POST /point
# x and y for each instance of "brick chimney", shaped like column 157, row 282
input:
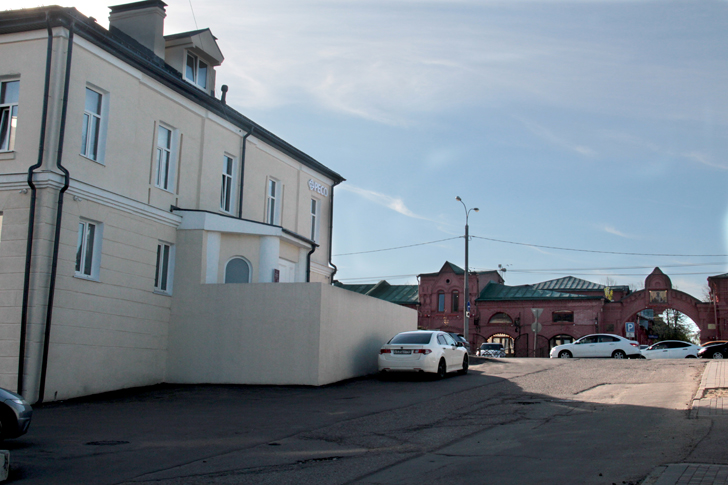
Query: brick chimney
column 142, row 21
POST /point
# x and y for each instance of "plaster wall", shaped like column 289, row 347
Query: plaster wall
column 298, row 333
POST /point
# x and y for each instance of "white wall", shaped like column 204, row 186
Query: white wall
column 295, row 333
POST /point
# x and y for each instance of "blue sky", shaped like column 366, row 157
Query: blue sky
column 592, row 125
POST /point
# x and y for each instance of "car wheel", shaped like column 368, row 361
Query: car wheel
column 441, row 369
column 565, row 354
column 464, row 370
column 619, row 354
column 691, row 357
column 718, row 355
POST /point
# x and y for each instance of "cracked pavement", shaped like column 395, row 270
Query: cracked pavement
column 507, row 421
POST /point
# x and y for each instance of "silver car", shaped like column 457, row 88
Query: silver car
column 671, row 349
column 15, row 414
column 598, row 345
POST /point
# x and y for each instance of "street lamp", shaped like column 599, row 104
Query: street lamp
column 466, row 320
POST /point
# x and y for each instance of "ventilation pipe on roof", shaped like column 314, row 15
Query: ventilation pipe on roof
column 224, row 89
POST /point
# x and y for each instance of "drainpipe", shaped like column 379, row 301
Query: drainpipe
column 59, row 217
column 331, row 235
column 31, row 214
column 242, row 171
column 308, row 262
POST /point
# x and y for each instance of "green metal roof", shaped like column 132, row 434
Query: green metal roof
column 497, row 292
column 569, row 283
column 399, row 294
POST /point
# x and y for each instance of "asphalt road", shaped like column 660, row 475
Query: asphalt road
column 509, row 421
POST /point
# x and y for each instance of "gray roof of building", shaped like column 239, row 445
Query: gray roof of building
column 399, row 294
column 498, row 292
column 135, row 54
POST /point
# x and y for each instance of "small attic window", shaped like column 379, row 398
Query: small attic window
column 196, row 71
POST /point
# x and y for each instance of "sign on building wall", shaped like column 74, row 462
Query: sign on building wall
column 317, row 187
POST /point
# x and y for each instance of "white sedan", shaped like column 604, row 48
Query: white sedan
column 598, row 345
column 671, row 349
column 423, row 351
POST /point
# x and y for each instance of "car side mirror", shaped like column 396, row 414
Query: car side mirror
column 459, row 344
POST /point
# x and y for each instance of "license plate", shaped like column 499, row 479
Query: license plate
column 400, row 351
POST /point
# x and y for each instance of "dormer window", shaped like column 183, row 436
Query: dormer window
column 196, row 71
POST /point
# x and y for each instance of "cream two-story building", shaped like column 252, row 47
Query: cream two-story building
column 128, row 188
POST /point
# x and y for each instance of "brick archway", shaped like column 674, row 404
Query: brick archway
column 659, row 295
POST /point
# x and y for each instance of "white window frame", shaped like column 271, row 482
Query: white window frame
column 101, row 125
column 273, row 201
column 244, row 260
column 90, row 236
column 315, row 218
column 194, row 77
column 9, row 113
column 227, row 188
column 164, row 268
column 165, row 158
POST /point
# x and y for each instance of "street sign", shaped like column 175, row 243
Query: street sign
column 629, row 329
column 536, row 327
column 536, row 313
column 467, row 307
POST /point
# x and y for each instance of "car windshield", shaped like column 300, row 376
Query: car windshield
column 411, row 338
column 490, row 346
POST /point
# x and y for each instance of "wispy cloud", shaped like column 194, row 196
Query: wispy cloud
column 705, row 159
column 546, row 134
column 612, row 230
column 394, row 203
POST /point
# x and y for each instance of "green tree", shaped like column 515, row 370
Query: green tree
column 673, row 325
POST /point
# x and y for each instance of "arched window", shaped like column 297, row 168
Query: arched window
column 441, row 301
column 237, row 270
column 500, row 319
column 455, row 301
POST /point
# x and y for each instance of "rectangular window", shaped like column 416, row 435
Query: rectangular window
column 315, row 208
column 455, row 301
column 88, row 249
column 562, row 316
column 91, row 130
column 196, row 71
column 441, row 302
column 226, row 190
column 163, row 271
column 164, row 161
column 272, row 203
column 9, row 93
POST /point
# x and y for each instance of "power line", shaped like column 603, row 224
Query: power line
column 604, row 252
column 398, row 247
column 562, row 270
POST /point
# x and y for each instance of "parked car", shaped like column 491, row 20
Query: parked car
column 430, row 351
column 460, row 338
column 716, row 351
column 713, row 342
column 598, row 345
column 15, row 414
column 671, row 349
column 491, row 350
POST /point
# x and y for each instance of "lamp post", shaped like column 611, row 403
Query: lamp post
column 466, row 312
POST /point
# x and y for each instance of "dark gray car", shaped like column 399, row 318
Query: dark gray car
column 15, row 414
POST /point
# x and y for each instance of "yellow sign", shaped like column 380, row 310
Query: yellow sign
column 608, row 292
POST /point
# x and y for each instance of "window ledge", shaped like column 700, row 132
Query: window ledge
column 162, row 293
column 100, row 162
column 7, row 155
column 86, row 277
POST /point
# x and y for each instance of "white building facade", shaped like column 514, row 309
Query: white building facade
column 117, row 159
